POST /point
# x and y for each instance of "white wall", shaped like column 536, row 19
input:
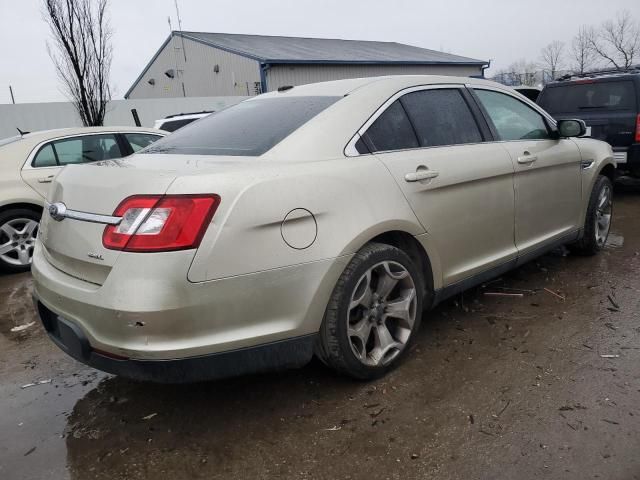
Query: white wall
column 43, row 116
column 236, row 75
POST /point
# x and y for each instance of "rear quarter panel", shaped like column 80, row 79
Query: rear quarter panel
column 352, row 200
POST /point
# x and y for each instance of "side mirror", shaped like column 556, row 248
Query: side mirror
column 571, row 128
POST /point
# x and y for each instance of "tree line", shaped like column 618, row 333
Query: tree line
column 614, row 44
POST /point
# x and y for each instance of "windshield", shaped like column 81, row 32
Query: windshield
column 249, row 128
column 7, row 141
column 580, row 97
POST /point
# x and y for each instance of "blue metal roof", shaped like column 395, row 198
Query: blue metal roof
column 268, row 49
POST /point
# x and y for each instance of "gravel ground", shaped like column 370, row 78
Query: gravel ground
column 546, row 385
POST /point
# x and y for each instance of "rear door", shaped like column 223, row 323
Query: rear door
column 608, row 106
column 48, row 158
column 459, row 186
column 548, row 183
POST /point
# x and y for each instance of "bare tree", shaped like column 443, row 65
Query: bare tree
column 617, row 41
column 523, row 73
column 582, row 54
column 82, row 54
column 551, row 57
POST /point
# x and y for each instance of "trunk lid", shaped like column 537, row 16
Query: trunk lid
column 75, row 246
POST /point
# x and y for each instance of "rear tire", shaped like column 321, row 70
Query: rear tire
column 598, row 219
column 373, row 313
column 18, row 231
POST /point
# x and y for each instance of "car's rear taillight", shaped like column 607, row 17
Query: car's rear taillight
column 638, row 129
column 153, row 223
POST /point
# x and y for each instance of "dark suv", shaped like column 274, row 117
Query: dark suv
column 609, row 103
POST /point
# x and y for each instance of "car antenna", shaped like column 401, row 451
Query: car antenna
column 22, row 134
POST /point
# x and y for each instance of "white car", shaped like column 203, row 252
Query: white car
column 323, row 218
column 174, row 122
column 28, row 164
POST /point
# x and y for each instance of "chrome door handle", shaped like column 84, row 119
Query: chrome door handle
column 420, row 175
column 527, row 158
column 48, row 179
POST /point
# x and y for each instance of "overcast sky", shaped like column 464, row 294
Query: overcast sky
column 501, row 30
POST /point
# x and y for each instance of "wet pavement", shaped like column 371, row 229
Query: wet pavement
column 544, row 385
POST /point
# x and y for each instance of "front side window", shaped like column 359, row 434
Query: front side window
column 138, row 141
column 513, row 119
column 441, row 117
column 249, row 128
column 392, row 130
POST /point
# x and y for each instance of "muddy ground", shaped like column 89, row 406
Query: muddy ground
column 546, row 385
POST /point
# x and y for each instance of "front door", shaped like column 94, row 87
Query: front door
column 460, row 188
column 547, row 181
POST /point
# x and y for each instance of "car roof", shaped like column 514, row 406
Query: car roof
column 341, row 88
column 63, row 132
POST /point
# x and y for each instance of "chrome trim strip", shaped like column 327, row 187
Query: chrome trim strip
column 87, row 217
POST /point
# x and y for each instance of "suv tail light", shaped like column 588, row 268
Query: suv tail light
column 638, row 129
column 154, row 223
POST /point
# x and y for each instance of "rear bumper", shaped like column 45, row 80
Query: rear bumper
column 290, row 353
column 147, row 310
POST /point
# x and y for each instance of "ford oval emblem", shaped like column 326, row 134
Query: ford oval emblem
column 58, row 211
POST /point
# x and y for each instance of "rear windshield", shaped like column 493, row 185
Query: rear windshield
column 581, row 97
column 249, row 128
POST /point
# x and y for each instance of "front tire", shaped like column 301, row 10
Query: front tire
column 18, row 231
column 373, row 313
column 598, row 219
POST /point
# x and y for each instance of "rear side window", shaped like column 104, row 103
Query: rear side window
column 513, row 119
column 584, row 97
column 45, row 157
column 392, row 130
column 250, row 128
column 138, row 141
column 441, row 117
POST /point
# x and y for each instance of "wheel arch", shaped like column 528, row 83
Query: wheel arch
column 609, row 171
column 18, row 205
column 416, row 251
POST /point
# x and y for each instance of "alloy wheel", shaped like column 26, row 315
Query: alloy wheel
column 382, row 313
column 17, row 240
column 603, row 215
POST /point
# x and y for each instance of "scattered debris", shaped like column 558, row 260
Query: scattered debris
column 555, row 294
column 613, row 302
column 20, row 328
column 335, row 428
column 610, row 356
column 504, row 408
column 41, row 382
column 610, row 421
column 377, row 414
column 503, row 294
column 149, row 417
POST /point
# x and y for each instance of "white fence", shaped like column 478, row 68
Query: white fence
column 32, row 117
